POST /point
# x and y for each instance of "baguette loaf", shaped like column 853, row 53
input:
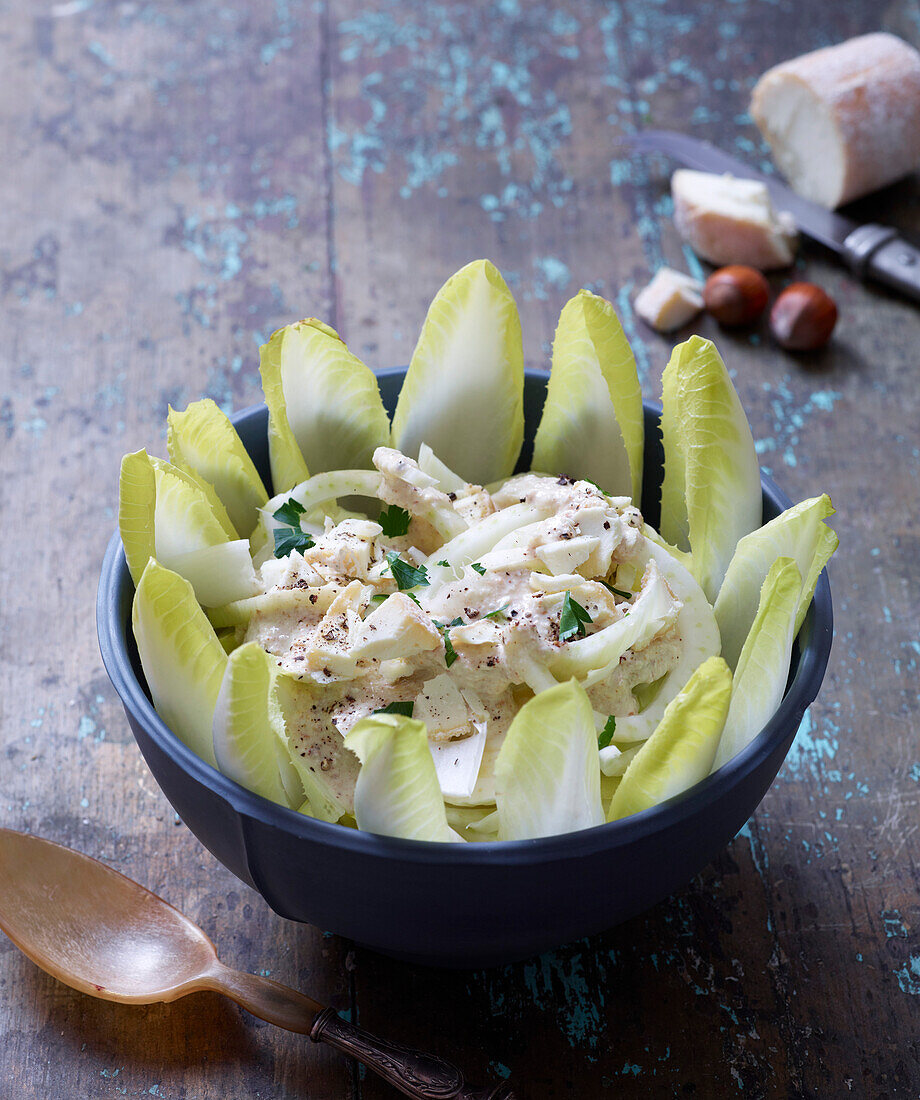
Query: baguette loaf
column 845, row 120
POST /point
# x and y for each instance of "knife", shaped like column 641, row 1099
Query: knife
column 871, row 251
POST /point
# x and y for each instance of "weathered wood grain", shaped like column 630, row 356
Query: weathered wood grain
column 178, row 180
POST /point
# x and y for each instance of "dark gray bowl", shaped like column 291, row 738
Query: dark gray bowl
column 459, row 905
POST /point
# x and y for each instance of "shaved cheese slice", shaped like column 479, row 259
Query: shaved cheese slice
column 566, row 555
column 442, row 708
column 457, row 763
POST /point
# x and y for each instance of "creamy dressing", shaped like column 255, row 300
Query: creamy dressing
column 469, row 648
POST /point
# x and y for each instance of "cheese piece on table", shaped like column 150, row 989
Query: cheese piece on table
column 670, row 300
column 844, row 120
column 731, row 221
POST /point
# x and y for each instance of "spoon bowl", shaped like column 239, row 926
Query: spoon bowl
column 104, row 934
column 92, row 928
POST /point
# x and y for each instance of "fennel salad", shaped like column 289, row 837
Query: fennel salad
column 412, row 639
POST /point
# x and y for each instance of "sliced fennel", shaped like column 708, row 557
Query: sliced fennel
column 592, row 425
column 476, row 541
column 696, row 625
column 445, row 478
column 799, row 533
column 463, row 392
column 397, row 792
column 203, row 441
column 763, row 667
column 318, row 492
column 330, row 407
column 250, row 741
column 180, row 654
column 597, row 655
column 711, row 495
column 172, row 515
column 547, row 776
column 681, row 750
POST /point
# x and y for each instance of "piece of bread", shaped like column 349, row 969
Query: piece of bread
column 670, row 300
column 845, row 120
column 731, row 221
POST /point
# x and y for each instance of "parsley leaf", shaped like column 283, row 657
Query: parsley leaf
column 288, row 539
column 479, row 568
column 290, row 512
column 446, row 564
column 499, row 611
column 406, row 575
column 617, row 591
column 606, row 735
column 291, row 536
column 394, row 521
column 572, row 620
column 450, row 654
column 405, row 709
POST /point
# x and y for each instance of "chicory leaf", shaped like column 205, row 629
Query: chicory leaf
column 463, row 392
column 182, row 658
column 763, row 667
column 397, row 792
column 681, row 750
column 202, row 440
column 250, row 738
column 547, row 775
column 799, row 533
column 711, row 494
column 592, row 425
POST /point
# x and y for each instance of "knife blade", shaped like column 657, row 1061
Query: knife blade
column 871, row 251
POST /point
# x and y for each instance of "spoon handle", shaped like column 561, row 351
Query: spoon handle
column 418, row 1075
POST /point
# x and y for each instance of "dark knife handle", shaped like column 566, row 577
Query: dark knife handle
column 877, row 252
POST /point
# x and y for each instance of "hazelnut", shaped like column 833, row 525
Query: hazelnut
column 803, row 317
column 736, row 295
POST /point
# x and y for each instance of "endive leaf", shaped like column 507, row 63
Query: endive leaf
column 711, row 494
column 463, row 392
column 180, row 654
column 202, row 440
column 330, row 407
column 397, row 793
column 250, row 741
column 592, row 425
column 799, row 533
column 548, row 776
column 681, row 750
column 174, row 516
column 763, row 667
column 696, row 626
column 285, row 461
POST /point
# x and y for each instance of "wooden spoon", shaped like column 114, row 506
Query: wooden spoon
column 105, row 935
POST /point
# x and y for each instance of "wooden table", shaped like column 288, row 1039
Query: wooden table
column 179, row 180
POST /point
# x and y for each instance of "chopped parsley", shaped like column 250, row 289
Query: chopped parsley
column 607, row 733
column 617, row 591
column 405, row 709
column 572, row 620
column 379, row 597
column 497, row 612
column 406, row 575
column 446, row 564
column 480, row 569
column 291, row 536
column 290, row 512
column 394, row 521
column 450, row 654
